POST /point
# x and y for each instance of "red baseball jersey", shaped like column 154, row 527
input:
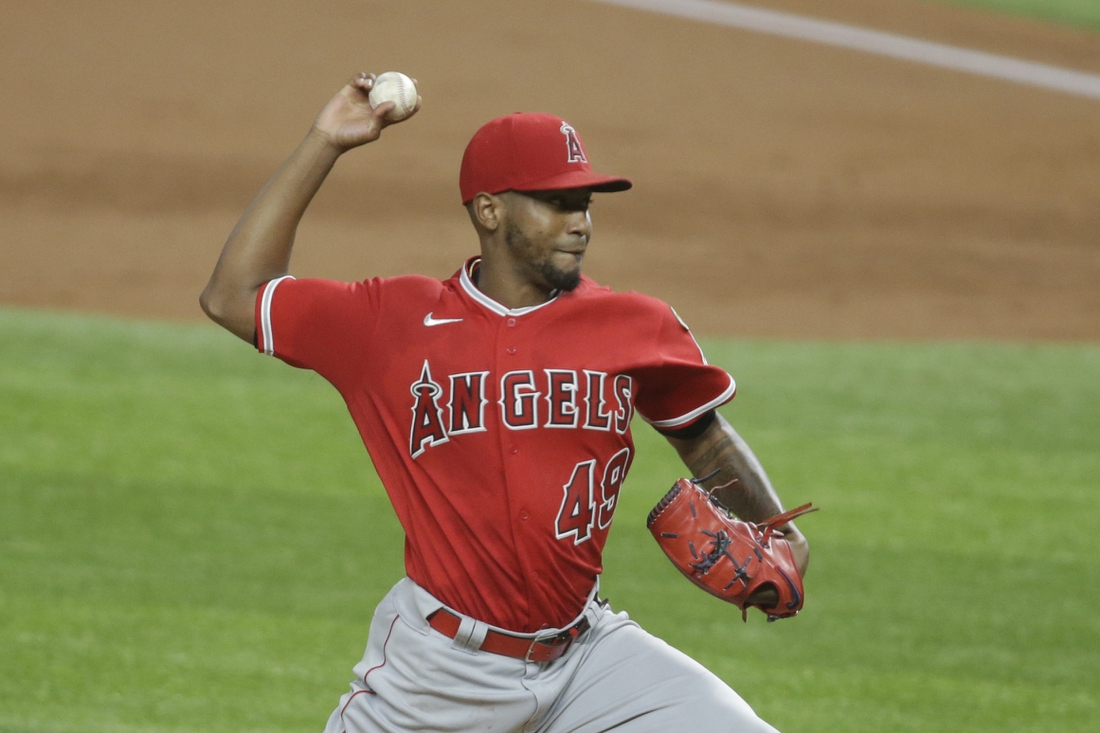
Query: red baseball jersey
column 502, row 435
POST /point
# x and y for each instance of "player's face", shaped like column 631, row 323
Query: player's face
column 548, row 233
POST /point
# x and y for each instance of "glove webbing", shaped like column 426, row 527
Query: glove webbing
column 770, row 524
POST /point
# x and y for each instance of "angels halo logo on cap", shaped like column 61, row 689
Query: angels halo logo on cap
column 573, row 144
column 524, row 152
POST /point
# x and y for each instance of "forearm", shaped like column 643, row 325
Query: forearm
column 745, row 487
column 258, row 250
column 742, row 485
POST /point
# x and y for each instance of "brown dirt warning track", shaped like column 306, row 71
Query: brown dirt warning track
column 782, row 188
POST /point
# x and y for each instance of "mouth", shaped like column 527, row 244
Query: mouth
column 576, row 250
column 575, row 246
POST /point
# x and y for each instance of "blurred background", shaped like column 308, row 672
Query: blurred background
column 783, row 187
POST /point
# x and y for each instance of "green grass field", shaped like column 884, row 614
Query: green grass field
column 192, row 538
column 1075, row 12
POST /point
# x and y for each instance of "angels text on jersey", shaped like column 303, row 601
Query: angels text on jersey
column 454, row 404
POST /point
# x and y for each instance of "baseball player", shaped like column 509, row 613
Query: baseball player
column 496, row 406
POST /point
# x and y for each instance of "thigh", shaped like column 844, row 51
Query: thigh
column 629, row 681
column 414, row 678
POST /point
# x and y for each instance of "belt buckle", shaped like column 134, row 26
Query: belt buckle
column 566, row 638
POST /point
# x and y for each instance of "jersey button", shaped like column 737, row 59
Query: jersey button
column 511, row 323
column 513, row 450
column 524, row 515
column 511, row 350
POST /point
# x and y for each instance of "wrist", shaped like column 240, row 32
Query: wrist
column 325, row 141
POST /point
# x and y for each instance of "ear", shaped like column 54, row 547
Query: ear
column 487, row 211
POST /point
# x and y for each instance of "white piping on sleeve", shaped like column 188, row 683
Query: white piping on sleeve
column 265, row 314
column 673, row 422
column 697, row 346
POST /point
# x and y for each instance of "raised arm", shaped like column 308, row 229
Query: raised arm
column 258, row 250
column 751, row 496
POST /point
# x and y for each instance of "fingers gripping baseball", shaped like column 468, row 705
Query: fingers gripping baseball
column 348, row 119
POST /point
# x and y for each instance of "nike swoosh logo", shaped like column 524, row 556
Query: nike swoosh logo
column 429, row 321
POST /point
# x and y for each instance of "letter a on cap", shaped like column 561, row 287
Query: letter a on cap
column 573, row 144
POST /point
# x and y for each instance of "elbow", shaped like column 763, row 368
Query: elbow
column 211, row 305
column 223, row 309
column 234, row 314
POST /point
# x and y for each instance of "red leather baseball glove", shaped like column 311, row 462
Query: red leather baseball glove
column 725, row 556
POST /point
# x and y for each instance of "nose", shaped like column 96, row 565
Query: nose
column 580, row 224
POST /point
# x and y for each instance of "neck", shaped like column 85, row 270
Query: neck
column 505, row 285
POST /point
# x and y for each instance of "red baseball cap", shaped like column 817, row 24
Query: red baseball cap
column 528, row 151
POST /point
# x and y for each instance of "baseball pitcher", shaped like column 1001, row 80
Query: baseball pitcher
column 497, row 408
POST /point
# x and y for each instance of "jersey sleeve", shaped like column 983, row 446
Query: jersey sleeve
column 323, row 325
column 676, row 385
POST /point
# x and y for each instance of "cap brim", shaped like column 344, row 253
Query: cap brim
column 577, row 179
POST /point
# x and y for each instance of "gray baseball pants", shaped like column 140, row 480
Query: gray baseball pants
column 615, row 677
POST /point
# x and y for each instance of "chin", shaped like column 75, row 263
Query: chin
column 564, row 280
column 572, row 283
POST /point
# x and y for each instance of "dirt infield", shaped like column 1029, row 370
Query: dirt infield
column 782, row 188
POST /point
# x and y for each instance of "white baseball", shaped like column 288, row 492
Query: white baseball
column 393, row 86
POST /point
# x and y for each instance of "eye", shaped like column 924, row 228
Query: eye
column 565, row 201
